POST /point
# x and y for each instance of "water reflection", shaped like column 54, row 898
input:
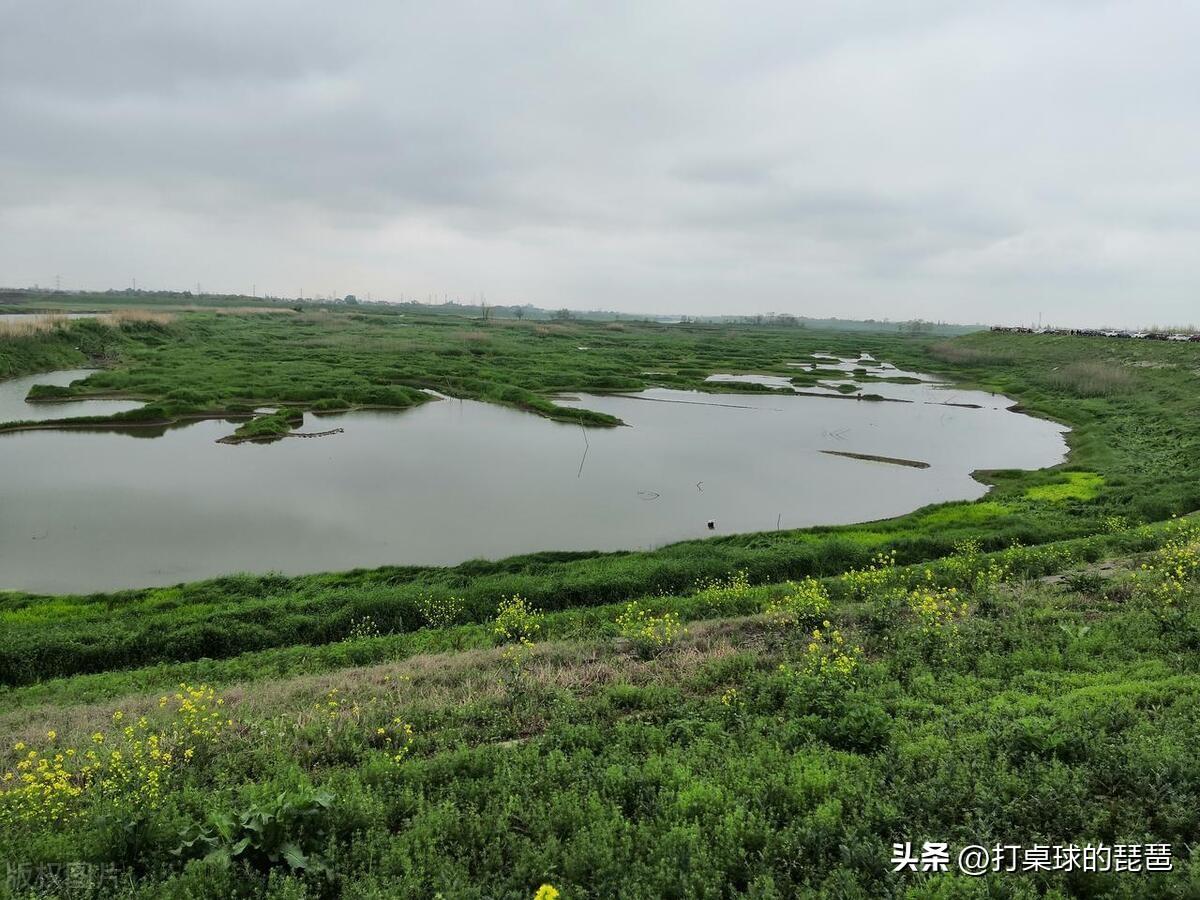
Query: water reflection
column 14, row 408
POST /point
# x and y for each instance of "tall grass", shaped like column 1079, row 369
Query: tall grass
column 31, row 325
column 120, row 317
column 957, row 354
column 244, row 310
column 1094, row 379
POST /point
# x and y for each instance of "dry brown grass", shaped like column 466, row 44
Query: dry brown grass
column 246, row 310
column 475, row 337
column 119, row 317
column 552, row 329
column 31, row 325
column 422, row 682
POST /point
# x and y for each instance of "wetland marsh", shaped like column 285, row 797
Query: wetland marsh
column 454, row 480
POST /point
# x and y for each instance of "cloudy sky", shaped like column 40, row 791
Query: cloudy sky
column 967, row 161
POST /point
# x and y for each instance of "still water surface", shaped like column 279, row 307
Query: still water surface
column 13, row 407
column 454, row 480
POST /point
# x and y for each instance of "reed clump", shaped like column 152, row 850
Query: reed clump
column 26, row 326
column 1094, row 379
column 246, row 310
column 969, row 356
column 119, row 318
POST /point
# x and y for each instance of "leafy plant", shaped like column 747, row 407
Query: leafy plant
column 288, row 828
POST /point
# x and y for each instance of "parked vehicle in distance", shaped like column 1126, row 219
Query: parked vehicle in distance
column 1178, row 336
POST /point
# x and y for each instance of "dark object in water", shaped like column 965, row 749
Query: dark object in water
column 870, row 457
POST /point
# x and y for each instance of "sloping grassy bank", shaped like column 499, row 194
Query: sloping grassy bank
column 47, row 637
column 778, row 754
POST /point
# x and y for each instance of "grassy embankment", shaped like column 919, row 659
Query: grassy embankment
column 707, row 745
column 646, row 763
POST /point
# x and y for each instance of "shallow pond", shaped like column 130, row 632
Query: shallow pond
column 454, row 480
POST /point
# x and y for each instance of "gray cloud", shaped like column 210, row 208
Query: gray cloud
column 967, row 161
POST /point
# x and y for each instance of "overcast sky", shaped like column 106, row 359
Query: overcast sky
column 967, row 161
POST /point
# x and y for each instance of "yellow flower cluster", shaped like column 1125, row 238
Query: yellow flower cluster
column 1115, row 524
column 969, row 568
column 397, row 738
column 863, row 584
column 1163, row 582
column 718, row 591
column 42, row 786
column 53, row 786
column 440, row 612
column 199, row 711
column 828, row 656
column 546, row 892
column 516, row 621
column 804, row 603
column 649, row 633
column 343, row 716
column 938, row 611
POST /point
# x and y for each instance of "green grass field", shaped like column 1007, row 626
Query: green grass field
column 759, row 715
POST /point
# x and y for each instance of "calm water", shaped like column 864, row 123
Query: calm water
column 454, row 480
column 16, row 317
column 13, row 407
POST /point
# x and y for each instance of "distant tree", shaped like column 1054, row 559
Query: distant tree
column 563, row 314
column 519, row 312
